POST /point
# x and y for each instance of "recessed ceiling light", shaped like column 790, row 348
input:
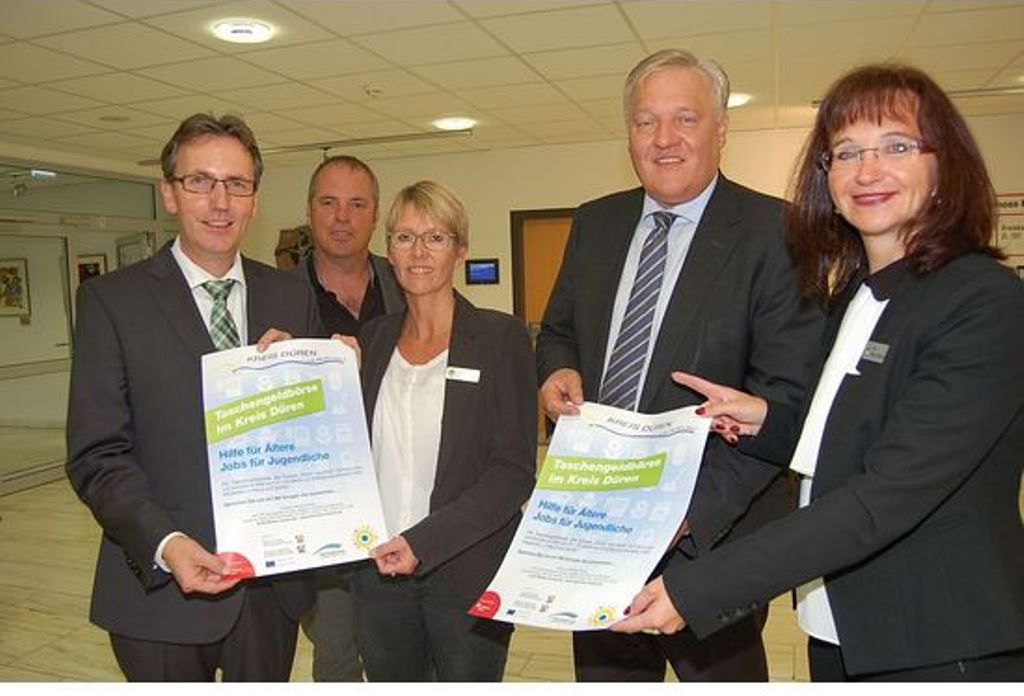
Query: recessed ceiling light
column 454, row 123
column 738, row 99
column 243, row 31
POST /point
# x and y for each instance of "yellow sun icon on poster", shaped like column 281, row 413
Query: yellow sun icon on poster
column 602, row 617
column 365, row 538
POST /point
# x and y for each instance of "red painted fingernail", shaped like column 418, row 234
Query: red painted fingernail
column 735, row 428
column 626, row 612
column 700, row 411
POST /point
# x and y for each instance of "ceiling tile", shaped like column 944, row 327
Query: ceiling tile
column 24, row 19
column 34, row 64
column 953, row 80
column 160, row 133
column 565, row 131
column 212, row 74
column 495, row 8
column 434, row 105
column 367, row 16
column 587, row 62
column 332, row 115
column 513, row 95
column 42, row 127
column 1012, row 76
column 438, row 44
column 104, row 140
column 937, row 29
column 178, row 108
column 725, row 49
column 307, row 135
column 371, row 85
column 985, row 56
column 273, row 97
column 540, row 113
column 117, row 88
column 603, row 108
column 196, row 25
column 561, row 29
column 659, row 19
column 605, row 87
column 375, row 129
column 504, row 70
column 266, row 122
column 38, row 100
column 802, row 12
column 94, row 118
column 126, row 46
column 877, row 38
column 134, row 8
column 323, row 59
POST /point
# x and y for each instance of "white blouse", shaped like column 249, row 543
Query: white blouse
column 407, row 437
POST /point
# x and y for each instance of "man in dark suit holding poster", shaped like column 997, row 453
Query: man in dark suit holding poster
column 689, row 272
column 136, row 445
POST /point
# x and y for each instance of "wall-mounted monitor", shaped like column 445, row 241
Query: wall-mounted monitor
column 482, row 272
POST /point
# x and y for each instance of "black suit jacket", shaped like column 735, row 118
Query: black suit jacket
column 914, row 520
column 735, row 317
column 136, row 443
column 488, row 451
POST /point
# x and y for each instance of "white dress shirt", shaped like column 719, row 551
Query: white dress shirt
column 814, row 615
column 407, row 438
column 680, row 236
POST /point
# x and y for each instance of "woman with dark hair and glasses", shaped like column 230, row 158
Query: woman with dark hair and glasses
column 907, row 551
column 451, row 398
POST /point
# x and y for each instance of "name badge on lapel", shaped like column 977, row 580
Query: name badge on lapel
column 875, row 352
column 463, row 374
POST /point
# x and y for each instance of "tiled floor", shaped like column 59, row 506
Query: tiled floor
column 48, row 544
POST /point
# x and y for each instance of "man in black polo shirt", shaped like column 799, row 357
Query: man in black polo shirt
column 352, row 286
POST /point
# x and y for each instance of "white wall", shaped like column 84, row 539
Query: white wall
column 493, row 183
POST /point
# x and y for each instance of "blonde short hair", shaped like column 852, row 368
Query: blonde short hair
column 435, row 201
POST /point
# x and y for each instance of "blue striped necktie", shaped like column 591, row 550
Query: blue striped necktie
column 621, row 384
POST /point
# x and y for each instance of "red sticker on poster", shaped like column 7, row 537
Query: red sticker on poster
column 487, row 606
column 238, row 566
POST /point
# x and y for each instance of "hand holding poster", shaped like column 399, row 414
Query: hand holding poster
column 291, row 475
column 613, row 490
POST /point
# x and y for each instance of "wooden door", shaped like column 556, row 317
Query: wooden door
column 538, row 242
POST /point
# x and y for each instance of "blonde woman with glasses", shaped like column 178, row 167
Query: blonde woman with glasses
column 451, row 399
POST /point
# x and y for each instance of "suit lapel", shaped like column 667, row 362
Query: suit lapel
column 376, row 358
column 616, row 235
column 459, row 398
column 174, row 298
column 716, row 238
column 259, row 301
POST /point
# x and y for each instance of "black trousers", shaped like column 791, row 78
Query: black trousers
column 826, row 663
column 259, row 647
column 734, row 654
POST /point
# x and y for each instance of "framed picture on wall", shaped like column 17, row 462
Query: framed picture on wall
column 14, row 299
column 91, row 265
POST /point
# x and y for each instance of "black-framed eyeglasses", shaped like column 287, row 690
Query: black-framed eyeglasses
column 434, row 240
column 849, row 156
column 204, row 184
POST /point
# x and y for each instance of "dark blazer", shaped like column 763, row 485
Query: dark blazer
column 735, row 317
column 136, row 443
column 488, row 452
column 914, row 520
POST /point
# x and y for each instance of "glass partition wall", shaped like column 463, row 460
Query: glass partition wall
column 57, row 230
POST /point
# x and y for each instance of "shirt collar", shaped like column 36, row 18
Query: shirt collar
column 885, row 282
column 690, row 211
column 195, row 275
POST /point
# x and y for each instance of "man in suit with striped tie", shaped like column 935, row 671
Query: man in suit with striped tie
column 689, row 272
column 135, row 432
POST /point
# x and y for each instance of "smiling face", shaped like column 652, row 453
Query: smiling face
column 211, row 226
column 342, row 213
column 675, row 137
column 881, row 196
column 419, row 271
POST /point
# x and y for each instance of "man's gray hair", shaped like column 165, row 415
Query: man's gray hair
column 678, row 58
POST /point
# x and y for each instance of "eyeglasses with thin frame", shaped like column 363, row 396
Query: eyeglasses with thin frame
column 204, row 184
column 848, row 156
column 433, row 240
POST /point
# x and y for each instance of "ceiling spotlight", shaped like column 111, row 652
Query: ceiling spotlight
column 738, row 99
column 244, row 31
column 454, row 123
column 42, row 174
